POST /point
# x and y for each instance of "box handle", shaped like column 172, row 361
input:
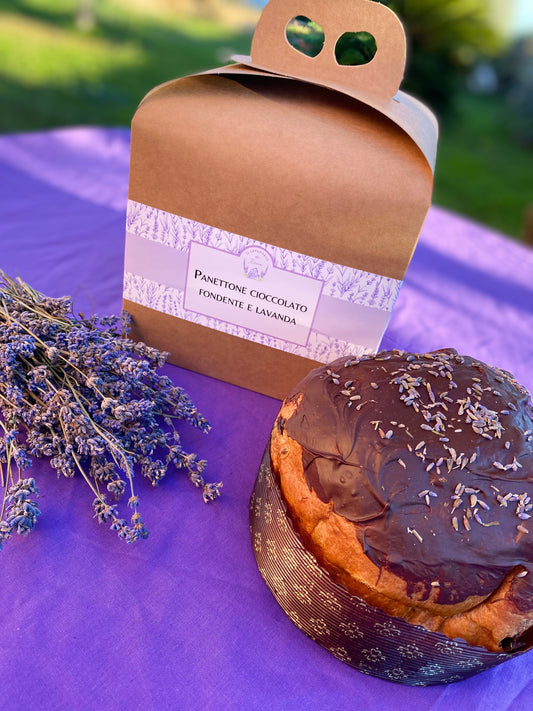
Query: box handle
column 381, row 76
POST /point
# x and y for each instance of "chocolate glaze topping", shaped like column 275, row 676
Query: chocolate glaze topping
column 431, row 456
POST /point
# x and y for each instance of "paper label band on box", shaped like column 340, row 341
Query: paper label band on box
column 267, row 294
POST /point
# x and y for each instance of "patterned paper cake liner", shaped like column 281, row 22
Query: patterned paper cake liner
column 364, row 637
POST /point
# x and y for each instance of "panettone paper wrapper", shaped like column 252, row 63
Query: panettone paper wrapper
column 362, row 636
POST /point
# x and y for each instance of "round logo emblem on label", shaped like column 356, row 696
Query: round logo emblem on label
column 256, row 263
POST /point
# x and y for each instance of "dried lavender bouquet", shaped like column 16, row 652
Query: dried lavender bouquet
column 83, row 394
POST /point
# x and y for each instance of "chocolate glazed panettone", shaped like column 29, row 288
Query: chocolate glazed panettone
column 407, row 479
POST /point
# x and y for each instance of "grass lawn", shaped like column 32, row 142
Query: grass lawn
column 481, row 171
column 53, row 74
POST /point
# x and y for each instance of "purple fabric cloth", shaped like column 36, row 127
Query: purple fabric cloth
column 184, row 620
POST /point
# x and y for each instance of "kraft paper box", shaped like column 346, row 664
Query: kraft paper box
column 274, row 204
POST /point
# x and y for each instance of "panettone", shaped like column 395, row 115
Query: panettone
column 408, row 479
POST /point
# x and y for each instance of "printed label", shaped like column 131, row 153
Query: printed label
column 249, row 291
column 246, row 288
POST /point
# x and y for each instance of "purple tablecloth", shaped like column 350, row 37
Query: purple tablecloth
column 183, row 620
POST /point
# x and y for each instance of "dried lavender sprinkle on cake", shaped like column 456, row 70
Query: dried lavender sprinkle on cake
column 415, row 534
column 455, row 523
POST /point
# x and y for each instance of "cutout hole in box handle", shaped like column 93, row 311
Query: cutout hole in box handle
column 304, row 47
column 306, row 36
column 355, row 48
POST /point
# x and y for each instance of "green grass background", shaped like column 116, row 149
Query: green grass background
column 52, row 73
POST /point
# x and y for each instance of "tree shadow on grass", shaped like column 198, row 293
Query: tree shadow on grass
column 147, row 31
column 166, row 53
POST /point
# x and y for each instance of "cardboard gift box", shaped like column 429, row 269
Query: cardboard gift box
column 275, row 203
